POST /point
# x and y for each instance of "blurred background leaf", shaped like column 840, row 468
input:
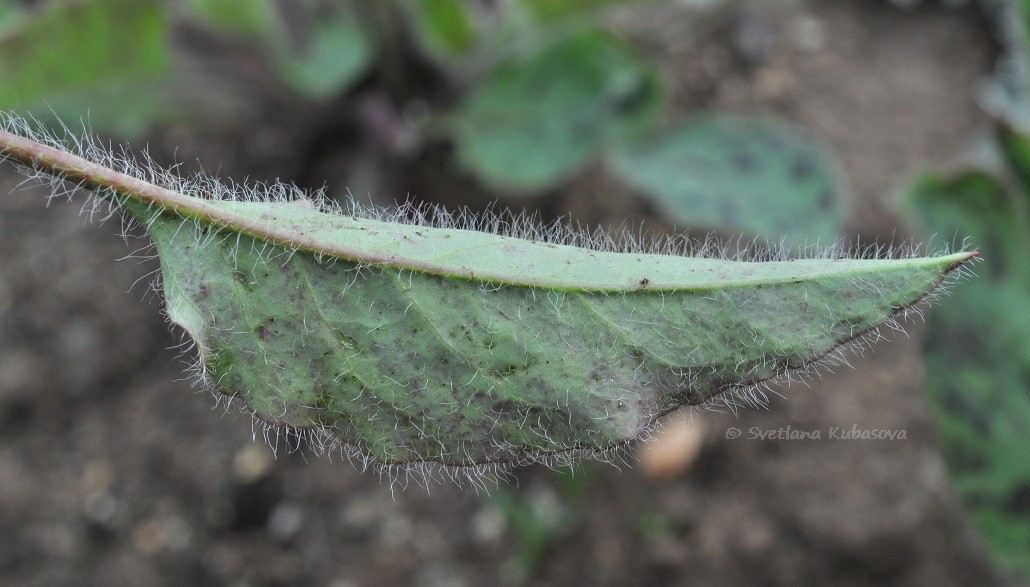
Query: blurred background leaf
column 444, row 25
column 336, row 51
column 540, row 118
column 97, row 57
column 8, row 9
column 1007, row 95
column 737, row 176
column 556, row 9
column 978, row 351
column 1015, row 150
column 255, row 18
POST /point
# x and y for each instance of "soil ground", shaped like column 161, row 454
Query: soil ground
column 114, row 472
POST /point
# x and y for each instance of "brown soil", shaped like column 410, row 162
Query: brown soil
column 112, row 472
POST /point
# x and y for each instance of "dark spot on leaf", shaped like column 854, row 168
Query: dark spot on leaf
column 504, row 407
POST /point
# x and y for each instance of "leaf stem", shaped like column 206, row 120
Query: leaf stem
column 99, row 178
column 94, row 176
column 527, row 263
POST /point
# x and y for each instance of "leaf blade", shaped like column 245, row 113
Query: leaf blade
column 402, row 363
column 413, row 366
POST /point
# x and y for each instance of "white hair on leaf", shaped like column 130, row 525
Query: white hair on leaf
column 323, row 440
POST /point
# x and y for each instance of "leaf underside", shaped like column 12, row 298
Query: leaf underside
column 470, row 349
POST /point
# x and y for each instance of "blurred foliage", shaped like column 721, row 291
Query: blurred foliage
column 538, row 119
column 738, row 175
column 335, row 55
column 445, row 25
column 255, row 18
column 1015, row 149
column 98, row 57
column 541, row 515
column 110, row 60
column 542, row 89
column 8, row 9
column 322, row 49
column 1007, row 96
column 978, row 352
column 551, row 9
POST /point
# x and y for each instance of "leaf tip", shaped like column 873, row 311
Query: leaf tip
column 959, row 259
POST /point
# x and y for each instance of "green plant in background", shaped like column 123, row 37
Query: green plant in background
column 545, row 91
column 104, row 59
column 540, row 516
column 111, row 60
column 978, row 352
column 254, row 19
column 444, row 26
column 739, row 176
column 319, row 50
column 536, row 120
column 539, row 117
column 1008, row 95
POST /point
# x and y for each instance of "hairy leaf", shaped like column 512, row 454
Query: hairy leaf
column 738, row 175
column 978, row 357
column 410, row 343
column 415, row 360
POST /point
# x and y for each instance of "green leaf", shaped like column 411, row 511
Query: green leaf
column 1015, row 149
column 539, row 119
column 335, row 56
column 555, row 9
column 8, row 10
column 738, row 176
column 410, row 344
column 978, row 357
column 568, row 348
column 444, row 25
column 73, row 51
column 254, row 18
